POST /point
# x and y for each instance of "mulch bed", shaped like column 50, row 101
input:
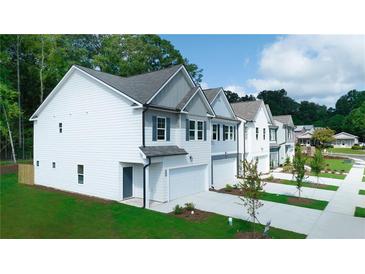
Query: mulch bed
column 279, row 181
column 234, row 191
column 299, row 201
column 250, row 235
column 7, row 169
column 198, row 215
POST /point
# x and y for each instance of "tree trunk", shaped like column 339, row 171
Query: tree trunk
column 10, row 135
column 19, row 94
column 41, row 70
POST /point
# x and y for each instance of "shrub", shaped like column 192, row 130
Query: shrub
column 342, row 171
column 288, row 168
column 178, row 210
column 189, row 206
column 333, row 172
column 356, row 147
column 228, row 187
column 270, row 178
column 235, row 186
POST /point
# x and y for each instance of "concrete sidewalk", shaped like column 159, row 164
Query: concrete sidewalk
column 337, row 220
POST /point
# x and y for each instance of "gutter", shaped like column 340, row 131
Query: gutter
column 149, row 159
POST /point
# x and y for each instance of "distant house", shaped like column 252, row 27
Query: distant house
column 344, row 139
column 285, row 137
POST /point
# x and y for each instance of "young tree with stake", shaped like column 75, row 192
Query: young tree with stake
column 317, row 163
column 299, row 168
column 251, row 187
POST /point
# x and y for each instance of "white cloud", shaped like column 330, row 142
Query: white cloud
column 236, row 88
column 204, row 85
column 319, row 67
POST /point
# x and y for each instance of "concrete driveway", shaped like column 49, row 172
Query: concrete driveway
column 336, row 221
column 283, row 216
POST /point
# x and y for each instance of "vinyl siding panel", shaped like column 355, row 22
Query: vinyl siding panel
column 100, row 130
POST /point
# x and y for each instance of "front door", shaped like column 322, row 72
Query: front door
column 127, row 182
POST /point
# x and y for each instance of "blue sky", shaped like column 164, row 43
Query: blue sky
column 319, row 68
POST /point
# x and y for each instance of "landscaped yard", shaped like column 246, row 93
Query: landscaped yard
column 346, row 150
column 360, row 212
column 35, row 212
column 337, row 165
column 283, row 199
column 305, row 184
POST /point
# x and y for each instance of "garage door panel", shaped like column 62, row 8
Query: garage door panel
column 187, row 180
column 224, row 172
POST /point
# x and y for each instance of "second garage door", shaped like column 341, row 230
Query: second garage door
column 185, row 181
column 224, row 172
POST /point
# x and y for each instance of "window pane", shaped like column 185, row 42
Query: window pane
column 80, row 169
column 80, row 179
column 200, row 135
column 192, row 134
column 200, row 125
column 160, row 134
column 161, row 122
column 192, row 124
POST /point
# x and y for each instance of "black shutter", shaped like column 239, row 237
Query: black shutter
column 167, row 129
column 205, row 130
column 154, row 128
column 187, row 130
column 219, row 131
column 234, row 133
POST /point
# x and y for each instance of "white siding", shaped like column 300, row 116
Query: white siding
column 221, row 107
column 100, row 130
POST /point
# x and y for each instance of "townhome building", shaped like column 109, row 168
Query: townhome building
column 146, row 137
column 254, row 133
column 285, row 138
column 224, row 129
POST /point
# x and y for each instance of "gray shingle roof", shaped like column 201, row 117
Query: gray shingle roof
column 285, row 119
column 246, row 110
column 187, row 97
column 211, row 93
column 157, row 151
column 139, row 87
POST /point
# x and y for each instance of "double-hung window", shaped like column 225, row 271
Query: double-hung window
column 231, row 133
column 192, row 130
column 200, row 130
column 80, row 174
column 264, row 133
column 215, row 132
column 272, row 135
column 60, row 127
column 161, row 128
column 257, row 133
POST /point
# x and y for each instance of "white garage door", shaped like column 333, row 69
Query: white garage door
column 187, row 180
column 224, row 172
column 263, row 164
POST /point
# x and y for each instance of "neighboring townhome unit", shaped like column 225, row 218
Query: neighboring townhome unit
column 224, row 137
column 344, row 139
column 254, row 133
column 146, row 136
column 285, row 137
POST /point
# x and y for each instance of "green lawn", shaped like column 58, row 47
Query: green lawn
column 346, row 150
column 33, row 212
column 363, row 178
column 3, row 163
column 330, row 175
column 361, row 192
column 310, row 185
column 285, row 199
column 360, row 212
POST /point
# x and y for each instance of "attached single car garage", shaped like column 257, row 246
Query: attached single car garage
column 224, row 171
column 185, row 181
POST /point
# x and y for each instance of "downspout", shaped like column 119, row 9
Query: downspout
column 144, row 181
column 149, row 159
column 244, row 148
column 238, row 152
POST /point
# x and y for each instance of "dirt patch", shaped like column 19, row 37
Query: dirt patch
column 72, row 194
column 249, row 235
column 233, row 191
column 335, row 157
column 299, row 201
column 7, row 169
column 199, row 215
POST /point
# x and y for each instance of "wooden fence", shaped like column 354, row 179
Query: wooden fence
column 26, row 174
